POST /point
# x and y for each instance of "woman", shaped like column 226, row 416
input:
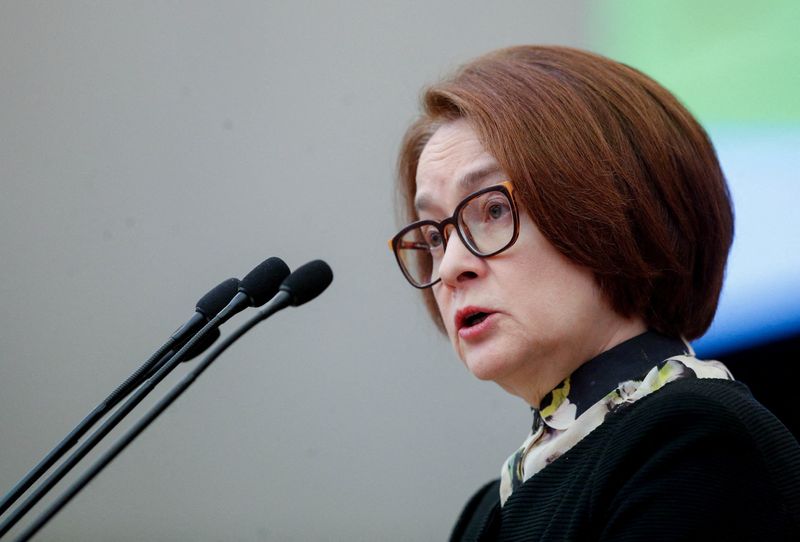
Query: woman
column 569, row 230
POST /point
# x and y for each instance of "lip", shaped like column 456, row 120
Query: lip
column 465, row 312
column 478, row 331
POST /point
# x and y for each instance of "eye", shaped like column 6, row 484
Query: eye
column 433, row 237
column 495, row 210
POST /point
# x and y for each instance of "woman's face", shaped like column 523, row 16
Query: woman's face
column 545, row 315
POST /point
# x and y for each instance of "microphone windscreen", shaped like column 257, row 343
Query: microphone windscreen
column 263, row 281
column 219, row 296
column 307, row 282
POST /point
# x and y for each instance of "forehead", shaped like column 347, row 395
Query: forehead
column 452, row 164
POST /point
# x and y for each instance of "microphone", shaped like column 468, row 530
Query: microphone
column 306, row 283
column 253, row 290
column 206, row 307
column 256, row 288
column 261, row 283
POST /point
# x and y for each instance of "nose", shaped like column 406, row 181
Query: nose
column 458, row 263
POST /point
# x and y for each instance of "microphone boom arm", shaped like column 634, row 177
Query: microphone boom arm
column 281, row 300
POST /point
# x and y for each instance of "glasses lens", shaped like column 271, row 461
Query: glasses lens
column 487, row 222
column 418, row 251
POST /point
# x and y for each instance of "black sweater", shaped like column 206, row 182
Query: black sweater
column 700, row 459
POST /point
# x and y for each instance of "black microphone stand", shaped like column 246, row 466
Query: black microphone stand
column 306, row 283
column 280, row 301
column 92, row 418
column 115, row 418
column 211, row 301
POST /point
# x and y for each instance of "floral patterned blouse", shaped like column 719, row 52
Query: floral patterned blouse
column 599, row 387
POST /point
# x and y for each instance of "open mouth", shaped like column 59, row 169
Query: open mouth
column 469, row 317
column 474, row 319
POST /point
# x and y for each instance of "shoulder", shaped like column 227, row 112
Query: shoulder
column 723, row 461
column 697, row 459
column 702, row 416
column 703, row 406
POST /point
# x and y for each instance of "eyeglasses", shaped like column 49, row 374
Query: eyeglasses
column 487, row 223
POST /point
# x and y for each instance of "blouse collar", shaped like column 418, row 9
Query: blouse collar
column 602, row 374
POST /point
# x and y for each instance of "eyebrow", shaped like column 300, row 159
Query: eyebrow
column 465, row 183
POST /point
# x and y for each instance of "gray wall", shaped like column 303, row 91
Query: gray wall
column 149, row 150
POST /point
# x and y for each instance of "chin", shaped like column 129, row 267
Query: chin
column 487, row 367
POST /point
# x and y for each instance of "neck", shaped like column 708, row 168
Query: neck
column 564, row 363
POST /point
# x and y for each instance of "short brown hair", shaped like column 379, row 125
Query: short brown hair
column 612, row 169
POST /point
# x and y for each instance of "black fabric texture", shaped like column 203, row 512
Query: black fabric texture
column 699, row 459
column 479, row 507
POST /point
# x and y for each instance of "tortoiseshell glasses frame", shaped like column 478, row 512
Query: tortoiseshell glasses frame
column 418, row 246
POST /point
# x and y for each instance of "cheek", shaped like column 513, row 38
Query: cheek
column 552, row 288
column 444, row 309
column 572, row 296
